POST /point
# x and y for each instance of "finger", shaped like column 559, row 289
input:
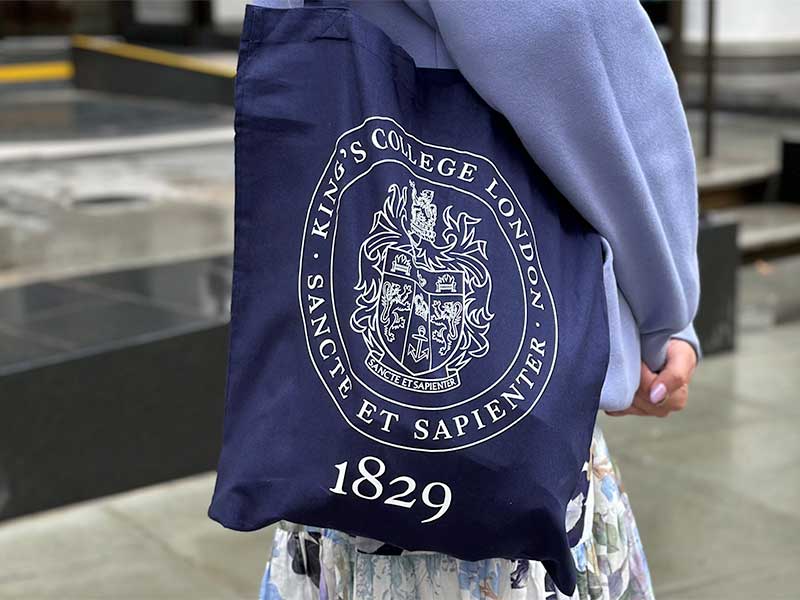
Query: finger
column 675, row 402
column 676, row 373
column 649, row 409
column 631, row 410
column 646, row 378
column 641, row 406
column 641, row 399
column 678, row 399
column 643, row 402
column 617, row 413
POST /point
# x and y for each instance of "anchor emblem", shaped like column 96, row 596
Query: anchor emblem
column 419, row 353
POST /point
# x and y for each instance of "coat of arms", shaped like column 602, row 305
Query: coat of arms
column 424, row 289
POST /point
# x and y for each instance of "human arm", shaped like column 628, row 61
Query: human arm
column 587, row 88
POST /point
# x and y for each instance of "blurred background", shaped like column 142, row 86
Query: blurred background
column 116, row 230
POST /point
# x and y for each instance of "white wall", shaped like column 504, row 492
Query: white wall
column 745, row 21
column 228, row 12
column 158, row 12
column 178, row 12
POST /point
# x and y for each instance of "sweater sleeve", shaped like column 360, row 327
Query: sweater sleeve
column 588, row 89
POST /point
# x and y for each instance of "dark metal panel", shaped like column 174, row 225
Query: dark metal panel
column 116, row 74
column 113, row 421
column 719, row 262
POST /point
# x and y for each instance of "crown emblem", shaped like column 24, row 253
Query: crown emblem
column 401, row 264
column 446, row 283
column 423, row 213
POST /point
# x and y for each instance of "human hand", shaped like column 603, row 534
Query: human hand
column 667, row 391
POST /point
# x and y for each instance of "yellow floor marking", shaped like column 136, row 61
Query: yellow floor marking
column 36, row 71
column 161, row 57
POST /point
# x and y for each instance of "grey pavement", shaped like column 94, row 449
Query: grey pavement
column 151, row 543
column 746, row 146
column 157, row 185
column 92, row 214
column 715, row 490
column 769, row 91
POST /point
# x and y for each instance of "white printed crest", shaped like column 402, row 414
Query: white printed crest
column 427, row 314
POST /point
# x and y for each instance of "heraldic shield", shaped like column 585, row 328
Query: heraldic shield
column 417, row 330
column 421, row 313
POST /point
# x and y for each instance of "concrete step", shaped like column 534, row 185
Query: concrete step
column 766, row 230
column 82, row 363
column 6, row 241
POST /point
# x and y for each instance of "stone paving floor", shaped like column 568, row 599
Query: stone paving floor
column 92, row 214
column 69, row 114
column 715, row 490
column 746, row 146
column 152, row 543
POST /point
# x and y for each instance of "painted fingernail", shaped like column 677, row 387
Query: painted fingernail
column 658, row 393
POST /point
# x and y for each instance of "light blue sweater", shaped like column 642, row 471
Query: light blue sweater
column 588, row 89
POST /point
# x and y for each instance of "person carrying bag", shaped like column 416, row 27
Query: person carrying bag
column 419, row 329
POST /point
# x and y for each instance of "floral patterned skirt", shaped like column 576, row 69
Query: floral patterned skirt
column 323, row 564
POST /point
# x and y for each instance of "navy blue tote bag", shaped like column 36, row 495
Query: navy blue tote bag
column 418, row 332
